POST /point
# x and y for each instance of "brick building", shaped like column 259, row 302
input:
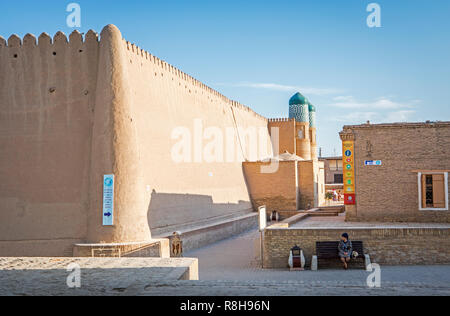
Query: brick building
column 397, row 172
column 333, row 170
column 334, row 175
column 298, row 182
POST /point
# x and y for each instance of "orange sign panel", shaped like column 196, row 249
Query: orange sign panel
column 348, row 161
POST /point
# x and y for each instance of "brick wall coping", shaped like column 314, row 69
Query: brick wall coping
column 444, row 227
column 399, row 125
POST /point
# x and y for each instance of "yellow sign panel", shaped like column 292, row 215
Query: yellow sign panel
column 348, row 150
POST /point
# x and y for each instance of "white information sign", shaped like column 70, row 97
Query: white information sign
column 108, row 200
column 262, row 218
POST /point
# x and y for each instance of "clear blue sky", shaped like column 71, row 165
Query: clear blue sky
column 261, row 52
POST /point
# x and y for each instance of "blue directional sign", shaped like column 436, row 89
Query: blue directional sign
column 373, row 163
column 108, row 200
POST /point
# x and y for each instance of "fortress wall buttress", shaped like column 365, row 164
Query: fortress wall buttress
column 47, row 97
column 168, row 106
column 115, row 149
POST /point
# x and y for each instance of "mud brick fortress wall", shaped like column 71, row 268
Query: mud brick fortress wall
column 74, row 109
column 386, row 246
column 164, row 99
column 47, row 104
column 390, row 192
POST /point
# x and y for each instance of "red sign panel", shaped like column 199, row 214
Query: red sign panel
column 350, row 199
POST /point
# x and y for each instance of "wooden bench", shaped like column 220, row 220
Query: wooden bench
column 328, row 250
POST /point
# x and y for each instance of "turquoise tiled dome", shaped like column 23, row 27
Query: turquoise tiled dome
column 297, row 99
column 299, row 108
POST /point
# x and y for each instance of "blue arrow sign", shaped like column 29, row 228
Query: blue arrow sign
column 108, row 200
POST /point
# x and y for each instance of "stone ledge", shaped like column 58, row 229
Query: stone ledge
column 157, row 248
column 104, row 276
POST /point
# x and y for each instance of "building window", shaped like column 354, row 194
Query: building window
column 338, row 178
column 433, row 191
column 300, row 134
column 428, row 184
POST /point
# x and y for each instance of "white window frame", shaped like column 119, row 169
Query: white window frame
column 420, row 191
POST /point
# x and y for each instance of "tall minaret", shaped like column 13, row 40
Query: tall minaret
column 312, row 129
column 299, row 110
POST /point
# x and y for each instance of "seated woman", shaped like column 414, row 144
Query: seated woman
column 345, row 250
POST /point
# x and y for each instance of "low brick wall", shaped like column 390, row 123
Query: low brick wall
column 388, row 246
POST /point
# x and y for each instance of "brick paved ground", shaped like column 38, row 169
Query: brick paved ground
column 236, row 262
column 98, row 276
column 229, row 268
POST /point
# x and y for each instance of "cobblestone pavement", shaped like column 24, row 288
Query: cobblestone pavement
column 98, row 276
column 292, row 288
column 235, row 262
column 227, row 268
